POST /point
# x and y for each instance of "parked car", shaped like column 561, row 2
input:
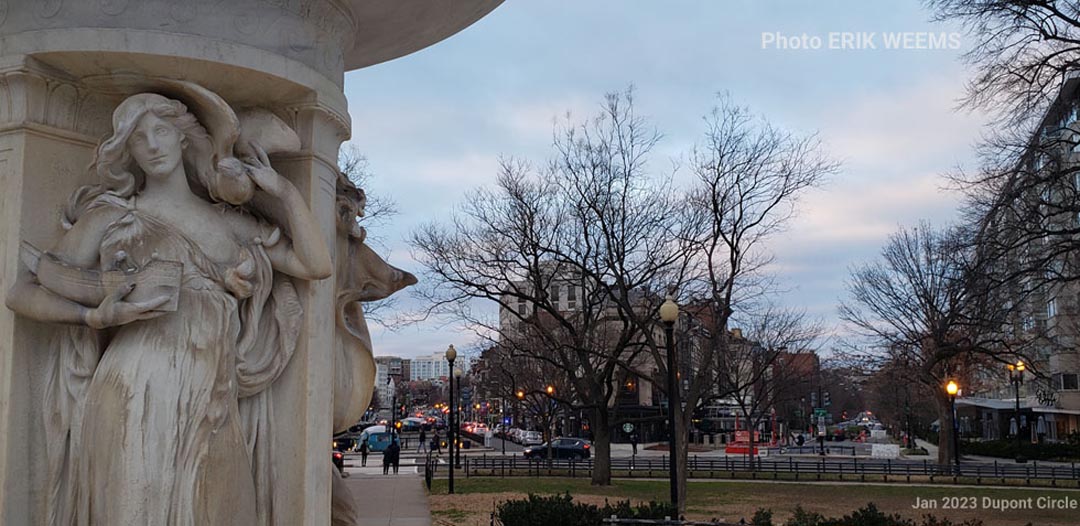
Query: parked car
column 567, row 448
column 531, row 438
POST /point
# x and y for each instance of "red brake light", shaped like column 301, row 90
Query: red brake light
column 586, row 446
column 337, row 455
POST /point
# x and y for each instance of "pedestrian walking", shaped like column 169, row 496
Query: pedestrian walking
column 394, row 451
column 386, row 458
column 633, row 442
column 363, row 453
column 436, row 442
column 422, row 445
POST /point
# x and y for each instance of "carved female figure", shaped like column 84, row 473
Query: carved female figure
column 148, row 413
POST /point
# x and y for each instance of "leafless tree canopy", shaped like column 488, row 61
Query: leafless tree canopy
column 1022, row 52
column 593, row 220
column 932, row 306
column 597, row 218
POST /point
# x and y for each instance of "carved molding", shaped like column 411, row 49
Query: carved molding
column 313, row 32
column 33, row 95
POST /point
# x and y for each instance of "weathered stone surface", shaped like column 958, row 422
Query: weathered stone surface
column 219, row 406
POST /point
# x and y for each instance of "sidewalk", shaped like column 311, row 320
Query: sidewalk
column 390, row 500
column 931, row 449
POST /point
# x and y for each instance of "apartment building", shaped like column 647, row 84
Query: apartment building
column 1047, row 216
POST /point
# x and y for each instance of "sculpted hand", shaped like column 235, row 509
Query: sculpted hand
column 115, row 311
column 265, row 176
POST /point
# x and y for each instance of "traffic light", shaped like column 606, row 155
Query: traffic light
column 827, row 402
column 813, row 399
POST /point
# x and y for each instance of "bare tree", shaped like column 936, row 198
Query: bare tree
column 757, row 370
column 1023, row 202
column 748, row 177
column 930, row 306
column 1023, row 50
column 593, row 223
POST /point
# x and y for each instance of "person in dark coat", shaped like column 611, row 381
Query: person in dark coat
column 422, row 445
column 386, row 457
column 364, row 453
column 392, row 457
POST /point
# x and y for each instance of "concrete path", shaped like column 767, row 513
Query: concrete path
column 389, row 500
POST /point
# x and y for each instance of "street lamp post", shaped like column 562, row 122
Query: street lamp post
column 1016, row 377
column 952, row 388
column 451, row 355
column 550, row 390
column 669, row 312
column 457, row 416
column 519, row 410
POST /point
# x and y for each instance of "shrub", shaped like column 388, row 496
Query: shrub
column 804, row 518
column 868, row 515
column 561, row 510
column 1007, row 449
column 762, row 517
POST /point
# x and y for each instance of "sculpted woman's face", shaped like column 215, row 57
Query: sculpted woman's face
column 156, row 146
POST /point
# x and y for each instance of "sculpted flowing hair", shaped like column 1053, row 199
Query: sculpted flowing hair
column 116, row 168
column 114, row 164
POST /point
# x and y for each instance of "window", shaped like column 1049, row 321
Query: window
column 521, row 306
column 1029, row 323
column 1051, row 308
column 571, row 297
column 1069, row 382
column 555, row 294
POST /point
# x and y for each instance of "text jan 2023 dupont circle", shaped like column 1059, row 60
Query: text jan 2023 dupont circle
column 861, row 41
column 1042, row 502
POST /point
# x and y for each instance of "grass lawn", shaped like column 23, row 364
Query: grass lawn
column 734, row 500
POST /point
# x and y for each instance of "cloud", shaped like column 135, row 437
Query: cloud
column 908, row 125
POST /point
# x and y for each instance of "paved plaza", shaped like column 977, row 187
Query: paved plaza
column 388, row 500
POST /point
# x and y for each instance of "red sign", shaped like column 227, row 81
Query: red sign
column 744, row 436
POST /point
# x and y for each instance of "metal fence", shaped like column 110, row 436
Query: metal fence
column 791, row 469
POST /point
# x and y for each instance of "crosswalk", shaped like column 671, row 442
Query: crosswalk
column 408, row 466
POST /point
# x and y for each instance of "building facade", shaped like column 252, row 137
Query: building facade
column 1041, row 223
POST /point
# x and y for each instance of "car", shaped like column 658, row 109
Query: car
column 531, row 438
column 378, row 438
column 514, row 434
column 565, row 448
column 519, row 435
column 338, row 458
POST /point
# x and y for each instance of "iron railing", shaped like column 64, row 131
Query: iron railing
column 791, row 468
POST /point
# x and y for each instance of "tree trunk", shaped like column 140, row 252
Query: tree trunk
column 682, row 443
column 601, row 428
column 946, row 452
column 750, row 426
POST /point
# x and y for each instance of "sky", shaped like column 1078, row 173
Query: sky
column 433, row 124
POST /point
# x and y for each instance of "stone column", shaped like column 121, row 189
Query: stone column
column 66, row 64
